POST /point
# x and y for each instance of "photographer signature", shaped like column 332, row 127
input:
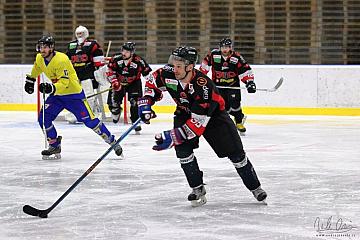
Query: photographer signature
column 339, row 226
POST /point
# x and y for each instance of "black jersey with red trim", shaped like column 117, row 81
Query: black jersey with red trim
column 200, row 99
column 85, row 57
column 128, row 71
column 227, row 71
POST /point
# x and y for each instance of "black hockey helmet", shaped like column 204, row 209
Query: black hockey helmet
column 187, row 54
column 225, row 42
column 130, row 46
column 47, row 40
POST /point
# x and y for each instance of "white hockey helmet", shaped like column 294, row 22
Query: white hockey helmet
column 81, row 33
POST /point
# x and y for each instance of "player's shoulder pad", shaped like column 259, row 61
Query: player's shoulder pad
column 117, row 56
column 237, row 54
column 137, row 58
column 215, row 51
column 73, row 41
column 169, row 68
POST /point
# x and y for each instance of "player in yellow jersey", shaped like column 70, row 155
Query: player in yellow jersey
column 65, row 93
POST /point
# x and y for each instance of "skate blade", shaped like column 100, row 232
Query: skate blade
column 242, row 133
column 55, row 156
column 201, row 201
column 137, row 133
column 263, row 202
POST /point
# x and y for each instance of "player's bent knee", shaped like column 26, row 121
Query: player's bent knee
column 91, row 123
column 187, row 160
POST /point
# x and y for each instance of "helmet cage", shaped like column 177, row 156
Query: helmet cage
column 81, row 33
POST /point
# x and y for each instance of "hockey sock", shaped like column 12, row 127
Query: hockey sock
column 247, row 172
column 192, row 172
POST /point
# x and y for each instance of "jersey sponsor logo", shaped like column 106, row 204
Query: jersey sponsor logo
column 201, row 81
column 120, row 62
column 233, row 60
column 217, row 58
column 226, row 75
column 223, row 80
column 171, row 83
column 189, row 133
column 72, row 45
column 206, row 92
column 87, row 44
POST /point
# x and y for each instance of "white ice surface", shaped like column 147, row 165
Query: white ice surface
column 309, row 166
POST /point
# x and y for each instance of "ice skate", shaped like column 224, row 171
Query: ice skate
column 260, row 194
column 52, row 153
column 137, row 130
column 115, row 114
column 240, row 126
column 197, row 196
column 117, row 148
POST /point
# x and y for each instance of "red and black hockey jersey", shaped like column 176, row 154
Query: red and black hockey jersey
column 227, row 71
column 199, row 99
column 127, row 72
column 85, row 57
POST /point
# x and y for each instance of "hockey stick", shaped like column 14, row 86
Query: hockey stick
column 43, row 114
column 108, row 49
column 276, row 87
column 101, row 92
column 44, row 213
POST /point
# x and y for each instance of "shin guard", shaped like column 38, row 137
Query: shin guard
column 246, row 171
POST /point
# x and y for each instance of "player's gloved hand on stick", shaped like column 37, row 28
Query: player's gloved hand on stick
column 144, row 109
column 115, row 85
column 47, row 88
column 168, row 139
column 251, row 87
column 29, row 84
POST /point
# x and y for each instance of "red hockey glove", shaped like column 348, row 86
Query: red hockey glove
column 115, row 85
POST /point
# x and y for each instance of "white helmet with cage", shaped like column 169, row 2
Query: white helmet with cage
column 81, row 33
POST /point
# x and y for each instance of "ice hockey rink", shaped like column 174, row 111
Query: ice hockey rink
column 309, row 166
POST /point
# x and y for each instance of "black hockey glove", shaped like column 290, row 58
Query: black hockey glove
column 47, row 88
column 251, row 87
column 29, row 84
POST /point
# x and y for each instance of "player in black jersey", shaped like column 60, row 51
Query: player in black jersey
column 87, row 56
column 124, row 72
column 200, row 111
column 228, row 68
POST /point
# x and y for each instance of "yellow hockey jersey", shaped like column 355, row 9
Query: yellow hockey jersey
column 61, row 72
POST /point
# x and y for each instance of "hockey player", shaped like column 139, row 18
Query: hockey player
column 65, row 92
column 86, row 56
column 124, row 72
column 228, row 69
column 200, row 111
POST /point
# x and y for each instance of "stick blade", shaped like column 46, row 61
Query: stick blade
column 34, row 212
column 279, row 83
